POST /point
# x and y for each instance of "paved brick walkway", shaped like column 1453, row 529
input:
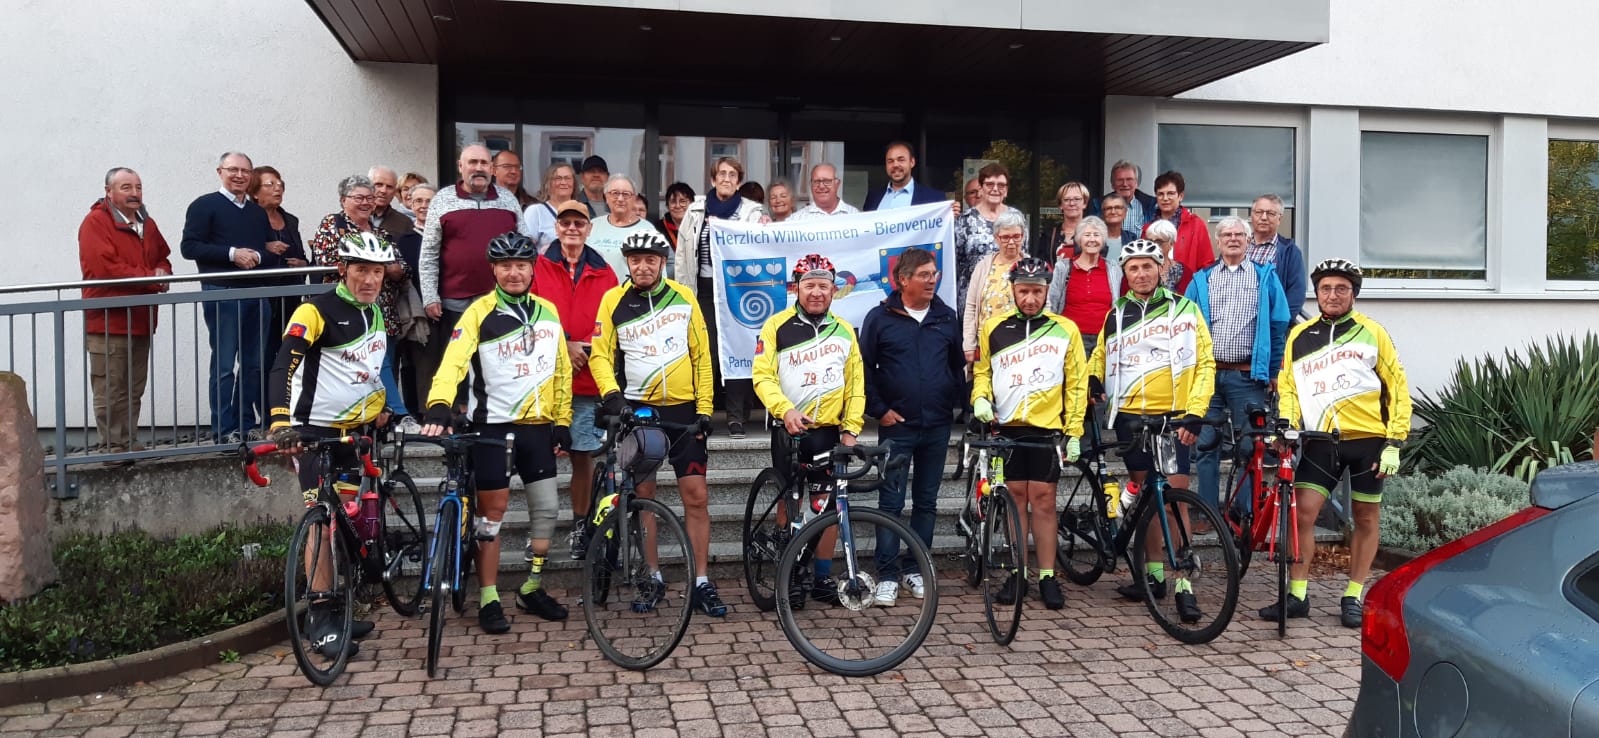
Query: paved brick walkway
column 1098, row 668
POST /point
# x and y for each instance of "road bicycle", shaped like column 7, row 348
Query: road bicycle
column 780, row 502
column 858, row 636
column 638, row 571
column 992, row 526
column 1194, row 557
column 356, row 547
column 452, row 549
column 1248, row 488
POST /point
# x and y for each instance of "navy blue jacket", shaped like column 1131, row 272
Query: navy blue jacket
column 1291, row 271
column 915, row 369
column 922, row 195
column 213, row 225
column 1144, row 198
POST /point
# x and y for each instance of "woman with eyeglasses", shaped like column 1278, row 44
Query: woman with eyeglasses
column 678, row 197
column 356, row 201
column 974, row 229
column 1073, row 199
column 990, row 292
column 696, row 270
column 611, row 230
column 266, row 188
column 538, row 219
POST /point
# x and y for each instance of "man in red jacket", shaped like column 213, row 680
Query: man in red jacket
column 573, row 277
column 118, row 240
column 1193, row 247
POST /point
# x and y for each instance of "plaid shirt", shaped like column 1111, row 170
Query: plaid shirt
column 1264, row 253
column 1234, row 308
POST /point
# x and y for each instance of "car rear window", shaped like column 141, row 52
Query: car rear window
column 1582, row 588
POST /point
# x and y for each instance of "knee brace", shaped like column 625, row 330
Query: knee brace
column 487, row 530
column 542, row 507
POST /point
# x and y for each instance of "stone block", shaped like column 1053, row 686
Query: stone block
column 25, row 563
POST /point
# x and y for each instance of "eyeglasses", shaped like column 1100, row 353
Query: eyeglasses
column 572, row 225
column 507, row 166
column 1010, row 238
column 727, row 175
column 1266, row 213
column 563, row 178
column 925, row 276
column 1075, row 200
column 361, row 198
column 972, row 191
column 235, row 171
column 1108, row 208
column 273, row 185
column 823, row 184
column 996, row 186
column 618, row 193
column 1334, row 289
column 1233, row 234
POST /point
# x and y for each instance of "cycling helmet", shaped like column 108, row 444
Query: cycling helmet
column 1337, row 267
column 1142, row 249
column 365, row 247
column 512, row 245
column 1031, row 270
column 814, row 266
column 646, row 242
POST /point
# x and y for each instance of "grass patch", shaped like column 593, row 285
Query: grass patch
column 128, row 592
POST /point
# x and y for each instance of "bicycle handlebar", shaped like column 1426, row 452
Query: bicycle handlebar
column 251, row 454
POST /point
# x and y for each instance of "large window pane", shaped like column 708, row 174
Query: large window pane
column 1424, row 205
column 544, row 146
column 1573, row 210
column 1229, row 166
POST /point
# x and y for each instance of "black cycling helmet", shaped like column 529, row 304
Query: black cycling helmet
column 1337, row 268
column 646, row 242
column 512, row 245
column 1031, row 270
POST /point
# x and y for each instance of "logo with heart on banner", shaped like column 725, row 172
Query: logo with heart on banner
column 755, row 289
column 888, row 258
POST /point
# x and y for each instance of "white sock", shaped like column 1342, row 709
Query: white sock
column 658, row 576
column 701, row 580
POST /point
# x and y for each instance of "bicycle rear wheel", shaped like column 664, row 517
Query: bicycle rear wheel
column 314, row 546
column 1238, row 511
column 858, row 636
column 764, row 537
column 971, row 530
column 404, row 537
column 1004, row 563
column 1200, row 588
column 1078, row 552
column 637, row 615
column 446, row 552
column 1286, row 553
column 465, row 557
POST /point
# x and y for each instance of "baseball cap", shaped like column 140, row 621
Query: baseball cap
column 594, row 162
column 572, row 206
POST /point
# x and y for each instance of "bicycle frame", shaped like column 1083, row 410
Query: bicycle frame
column 342, row 533
column 458, row 476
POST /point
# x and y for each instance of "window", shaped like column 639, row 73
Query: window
column 1573, row 226
column 1423, row 205
column 498, row 137
column 668, row 166
column 1226, row 167
column 797, row 166
column 567, row 150
column 716, row 148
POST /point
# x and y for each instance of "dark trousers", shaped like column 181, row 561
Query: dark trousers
column 438, row 341
column 927, row 447
column 237, row 331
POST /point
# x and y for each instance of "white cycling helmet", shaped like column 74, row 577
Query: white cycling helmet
column 1142, row 249
column 366, row 247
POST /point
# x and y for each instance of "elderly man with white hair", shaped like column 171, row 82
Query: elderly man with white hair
column 825, row 195
column 611, row 231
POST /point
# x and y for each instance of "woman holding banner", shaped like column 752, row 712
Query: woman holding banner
column 990, row 292
column 695, row 270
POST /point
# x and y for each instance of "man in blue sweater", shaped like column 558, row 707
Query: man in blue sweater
column 1270, row 247
column 225, row 231
column 915, row 375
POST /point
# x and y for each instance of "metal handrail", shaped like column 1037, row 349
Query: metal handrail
column 170, row 278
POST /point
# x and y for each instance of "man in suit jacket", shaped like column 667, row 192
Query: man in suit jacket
column 902, row 189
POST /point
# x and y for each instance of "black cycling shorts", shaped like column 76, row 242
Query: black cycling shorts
column 534, row 457
column 1323, row 463
column 1030, row 464
column 688, row 455
column 344, row 458
column 1137, row 456
column 813, row 449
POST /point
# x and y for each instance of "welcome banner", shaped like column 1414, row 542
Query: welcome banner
column 754, row 262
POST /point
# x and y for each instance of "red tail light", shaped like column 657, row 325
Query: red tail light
column 1383, row 638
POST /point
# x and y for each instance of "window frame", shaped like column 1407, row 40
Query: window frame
column 710, row 158
column 548, row 139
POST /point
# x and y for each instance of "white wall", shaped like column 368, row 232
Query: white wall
column 165, row 88
column 1468, row 55
column 1432, row 335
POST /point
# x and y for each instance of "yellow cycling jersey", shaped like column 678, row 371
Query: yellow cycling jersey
column 1155, row 357
column 1345, row 375
column 811, row 365
column 652, row 345
column 1033, row 371
column 516, row 351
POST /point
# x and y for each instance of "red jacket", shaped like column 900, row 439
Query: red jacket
column 111, row 249
column 1193, row 247
column 577, row 303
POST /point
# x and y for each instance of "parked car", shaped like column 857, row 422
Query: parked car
column 1496, row 633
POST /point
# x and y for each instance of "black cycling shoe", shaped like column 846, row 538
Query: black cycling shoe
column 1049, row 592
column 491, row 618
column 1350, row 613
column 540, row 603
column 651, row 592
column 578, row 541
column 361, row 628
column 706, row 598
column 1297, row 608
column 1014, row 587
column 825, row 591
column 322, row 630
column 1135, row 592
column 1188, row 607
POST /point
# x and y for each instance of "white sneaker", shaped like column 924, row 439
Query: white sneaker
column 913, row 582
column 887, row 593
column 408, row 426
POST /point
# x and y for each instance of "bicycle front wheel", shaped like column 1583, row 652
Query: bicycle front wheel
column 845, row 629
column 446, row 553
column 1078, row 552
column 318, row 588
column 404, row 537
column 637, row 613
column 1198, row 591
column 1004, row 555
column 764, row 537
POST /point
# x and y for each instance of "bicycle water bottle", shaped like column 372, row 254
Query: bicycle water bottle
column 347, row 492
column 1129, row 493
column 603, row 508
column 371, row 509
column 1113, row 500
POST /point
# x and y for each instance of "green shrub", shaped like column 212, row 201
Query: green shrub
column 128, row 592
column 1512, row 414
column 1421, row 513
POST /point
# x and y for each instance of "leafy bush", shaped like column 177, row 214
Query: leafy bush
column 1514, row 414
column 128, row 592
column 1421, row 513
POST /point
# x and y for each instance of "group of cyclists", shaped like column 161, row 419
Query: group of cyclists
column 651, row 348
